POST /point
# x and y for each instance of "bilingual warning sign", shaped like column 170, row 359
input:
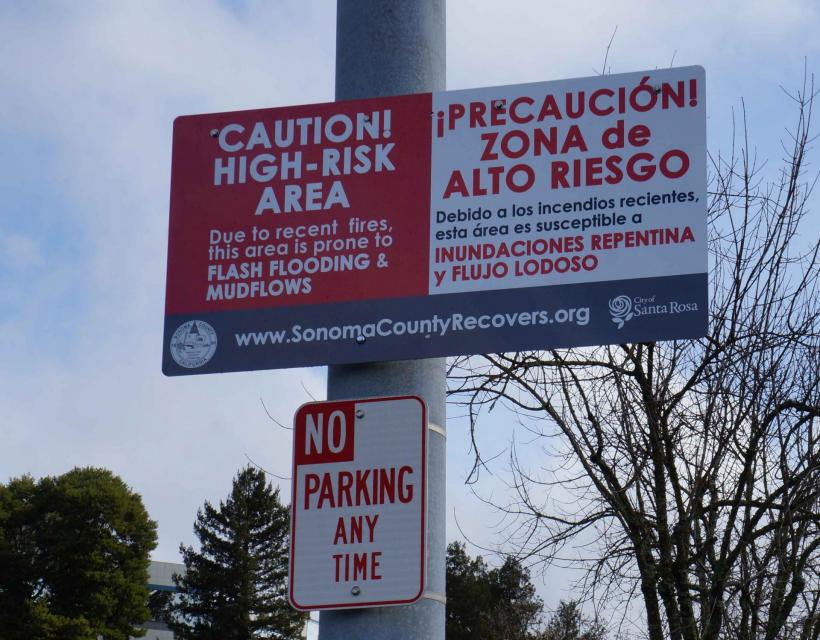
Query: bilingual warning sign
column 358, row 503
column 530, row 216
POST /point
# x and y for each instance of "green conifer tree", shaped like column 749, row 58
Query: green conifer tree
column 484, row 603
column 235, row 587
column 569, row 623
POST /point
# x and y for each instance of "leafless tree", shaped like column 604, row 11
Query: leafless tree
column 693, row 466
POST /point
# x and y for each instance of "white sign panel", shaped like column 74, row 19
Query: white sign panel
column 573, row 181
column 358, row 503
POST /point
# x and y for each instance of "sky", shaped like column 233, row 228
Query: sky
column 88, row 94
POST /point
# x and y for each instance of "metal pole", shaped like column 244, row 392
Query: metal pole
column 383, row 48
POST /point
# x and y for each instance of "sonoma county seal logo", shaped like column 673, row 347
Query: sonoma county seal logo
column 621, row 309
column 193, row 344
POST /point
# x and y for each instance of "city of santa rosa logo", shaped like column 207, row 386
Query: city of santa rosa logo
column 193, row 344
column 620, row 307
column 624, row 308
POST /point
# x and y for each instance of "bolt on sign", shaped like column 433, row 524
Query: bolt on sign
column 529, row 216
column 358, row 503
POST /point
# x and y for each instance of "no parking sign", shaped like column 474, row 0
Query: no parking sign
column 358, row 503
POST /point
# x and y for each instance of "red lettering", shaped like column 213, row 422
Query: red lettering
column 574, row 140
column 456, row 184
column 405, row 488
column 594, row 172
column 341, row 533
column 613, row 137
column 549, row 108
column 355, row 530
column 523, row 144
column 518, row 170
column 387, row 481
column 360, row 566
column 380, row 485
column 345, row 482
column 615, row 173
column 371, row 524
column 497, row 114
column 488, row 153
column 578, row 111
column 560, row 169
column 362, row 494
column 365, row 566
column 477, row 111
column 514, row 115
column 326, row 494
column 545, row 141
column 684, row 163
column 668, row 94
column 456, row 111
column 643, row 172
column 353, row 533
column 311, row 486
column 495, row 174
column 593, row 102
column 639, row 135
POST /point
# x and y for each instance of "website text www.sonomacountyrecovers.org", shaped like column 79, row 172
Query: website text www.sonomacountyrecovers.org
column 426, row 327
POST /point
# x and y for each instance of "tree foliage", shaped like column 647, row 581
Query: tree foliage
column 235, row 586
column 73, row 557
column 569, row 623
column 690, row 468
column 489, row 603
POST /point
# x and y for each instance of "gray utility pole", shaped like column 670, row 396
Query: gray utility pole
column 386, row 48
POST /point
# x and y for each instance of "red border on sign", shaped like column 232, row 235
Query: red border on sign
column 423, row 538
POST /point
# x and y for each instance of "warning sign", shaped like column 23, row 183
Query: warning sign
column 527, row 216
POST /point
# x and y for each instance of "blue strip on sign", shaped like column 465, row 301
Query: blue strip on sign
column 639, row 310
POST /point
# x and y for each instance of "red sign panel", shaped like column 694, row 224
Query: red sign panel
column 305, row 205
